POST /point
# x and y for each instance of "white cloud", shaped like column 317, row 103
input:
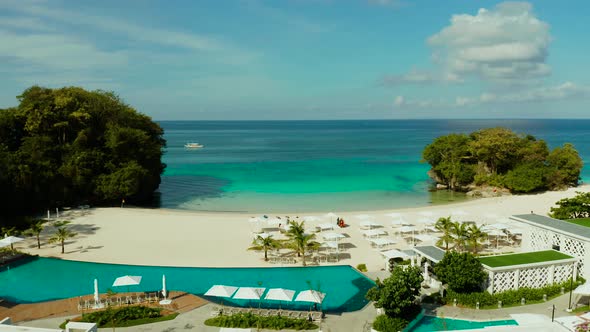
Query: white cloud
column 505, row 44
column 567, row 90
column 417, row 77
column 399, row 101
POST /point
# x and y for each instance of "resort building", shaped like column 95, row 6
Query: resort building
column 547, row 233
column 512, row 271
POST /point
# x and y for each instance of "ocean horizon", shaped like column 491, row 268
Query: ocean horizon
column 262, row 166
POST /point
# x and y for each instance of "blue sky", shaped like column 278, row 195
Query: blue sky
column 306, row 59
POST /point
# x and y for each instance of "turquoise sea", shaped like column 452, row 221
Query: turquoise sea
column 303, row 166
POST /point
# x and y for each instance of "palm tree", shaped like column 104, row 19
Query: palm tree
column 35, row 228
column 264, row 243
column 445, row 226
column 459, row 235
column 300, row 241
column 62, row 234
column 474, row 235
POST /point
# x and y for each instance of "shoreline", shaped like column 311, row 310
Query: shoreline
column 184, row 238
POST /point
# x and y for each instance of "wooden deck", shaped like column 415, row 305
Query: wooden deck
column 181, row 302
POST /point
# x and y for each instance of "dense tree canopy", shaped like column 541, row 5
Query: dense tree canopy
column 572, row 208
column 500, row 157
column 462, row 272
column 70, row 146
column 397, row 294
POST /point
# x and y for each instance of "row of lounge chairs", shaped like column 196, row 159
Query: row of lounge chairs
column 119, row 301
column 315, row 316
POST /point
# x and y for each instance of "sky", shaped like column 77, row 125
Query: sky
column 306, row 59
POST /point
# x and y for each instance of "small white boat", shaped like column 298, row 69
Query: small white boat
column 193, row 146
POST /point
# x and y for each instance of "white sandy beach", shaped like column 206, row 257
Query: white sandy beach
column 185, row 238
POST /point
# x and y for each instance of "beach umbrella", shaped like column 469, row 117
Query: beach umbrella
column 127, row 281
column 221, row 291
column 331, row 215
column 310, row 296
column 370, row 224
column 399, row 222
column 48, row 215
column 426, row 221
column 280, row 294
column 274, row 221
column 329, row 245
column 310, row 218
column 10, row 240
column 96, row 298
column 249, row 293
column 333, row 236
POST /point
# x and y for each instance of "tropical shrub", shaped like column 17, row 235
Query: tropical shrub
column 248, row 320
column 397, row 294
column 126, row 316
column 384, row 323
column 572, row 208
column 462, row 272
column 362, row 267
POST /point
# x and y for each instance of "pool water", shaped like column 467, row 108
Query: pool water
column 38, row 279
column 431, row 323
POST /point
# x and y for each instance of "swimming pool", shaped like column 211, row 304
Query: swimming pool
column 431, row 323
column 38, row 279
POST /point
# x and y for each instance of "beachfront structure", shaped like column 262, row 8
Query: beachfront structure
column 547, row 233
column 513, row 271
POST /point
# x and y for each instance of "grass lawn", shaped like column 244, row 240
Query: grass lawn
column 525, row 258
column 580, row 221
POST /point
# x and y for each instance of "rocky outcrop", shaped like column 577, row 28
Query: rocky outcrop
column 487, row 191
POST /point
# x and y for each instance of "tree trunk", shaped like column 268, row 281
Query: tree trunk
column 304, row 258
column 265, row 255
column 38, row 242
column 63, row 246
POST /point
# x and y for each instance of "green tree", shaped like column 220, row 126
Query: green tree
column 459, row 235
column 565, row 164
column 445, row 226
column 526, row 178
column 397, row 293
column 496, row 147
column 447, row 156
column 35, row 228
column 70, row 146
column 300, row 241
column 475, row 234
column 265, row 244
column 62, row 234
column 462, row 272
column 572, row 208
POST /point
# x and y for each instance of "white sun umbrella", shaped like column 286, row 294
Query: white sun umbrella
column 127, row 281
column 310, row 296
column 274, row 221
column 310, row 218
column 221, row 291
column 10, row 241
column 325, row 226
column 426, row 238
column 500, row 225
column 164, row 291
column 280, row 294
column 263, row 235
column 408, row 229
column 425, row 221
column 330, row 215
column 249, row 293
column 333, row 236
column 399, row 222
column 97, row 304
column 583, row 289
column 329, row 245
column 394, row 253
column 369, row 224
column 373, row 233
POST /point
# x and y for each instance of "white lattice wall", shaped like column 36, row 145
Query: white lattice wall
column 541, row 239
column 533, row 277
column 504, row 281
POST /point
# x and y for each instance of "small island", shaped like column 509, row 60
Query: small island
column 494, row 161
column 70, row 146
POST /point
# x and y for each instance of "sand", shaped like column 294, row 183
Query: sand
column 185, row 238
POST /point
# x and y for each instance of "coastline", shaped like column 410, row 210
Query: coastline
column 169, row 237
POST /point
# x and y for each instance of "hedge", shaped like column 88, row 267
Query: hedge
column 125, row 317
column 384, row 323
column 510, row 297
column 247, row 320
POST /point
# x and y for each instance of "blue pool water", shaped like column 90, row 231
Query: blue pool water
column 430, row 323
column 42, row 279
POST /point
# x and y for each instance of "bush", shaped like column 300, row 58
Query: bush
column 362, row 267
column 384, row 323
column 126, row 316
column 247, row 320
column 510, row 297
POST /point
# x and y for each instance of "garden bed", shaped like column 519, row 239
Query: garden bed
column 125, row 317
